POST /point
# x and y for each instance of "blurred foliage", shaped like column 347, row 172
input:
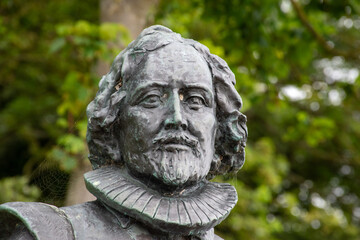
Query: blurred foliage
column 49, row 51
column 17, row 189
column 297, row 70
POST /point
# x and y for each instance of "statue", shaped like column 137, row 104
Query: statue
column 165, row 120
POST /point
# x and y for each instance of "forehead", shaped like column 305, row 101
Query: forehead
column 175, row 64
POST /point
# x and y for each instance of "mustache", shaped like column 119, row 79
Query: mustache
column 176, row 138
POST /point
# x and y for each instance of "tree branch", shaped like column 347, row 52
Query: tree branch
column 319, row 38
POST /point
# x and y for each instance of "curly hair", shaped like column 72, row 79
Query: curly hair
column 103, row 111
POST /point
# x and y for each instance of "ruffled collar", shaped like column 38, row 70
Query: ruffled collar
column 184, row 214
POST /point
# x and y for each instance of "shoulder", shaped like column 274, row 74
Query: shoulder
column 42, row 221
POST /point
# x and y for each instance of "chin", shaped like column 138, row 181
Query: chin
column 173, row 168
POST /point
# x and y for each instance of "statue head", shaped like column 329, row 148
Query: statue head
column 168, row 109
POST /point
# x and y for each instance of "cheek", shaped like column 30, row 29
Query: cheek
column 204, row 126
column 139, row 128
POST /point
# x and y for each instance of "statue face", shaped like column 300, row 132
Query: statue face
column 168, row 120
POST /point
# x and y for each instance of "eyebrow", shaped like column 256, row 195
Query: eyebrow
column 139, row 89
column 202, row 87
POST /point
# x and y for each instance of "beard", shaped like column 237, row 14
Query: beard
column 171, row 165
column 176, row 167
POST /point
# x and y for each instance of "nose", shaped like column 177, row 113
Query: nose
column 175, row 118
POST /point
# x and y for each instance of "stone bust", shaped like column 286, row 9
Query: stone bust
column 165, row 120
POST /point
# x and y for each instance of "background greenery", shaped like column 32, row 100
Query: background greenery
column 297, row 69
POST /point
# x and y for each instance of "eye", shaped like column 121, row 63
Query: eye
column 195, row 102
column 151, row 101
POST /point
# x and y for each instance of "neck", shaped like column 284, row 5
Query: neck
column 165, row 189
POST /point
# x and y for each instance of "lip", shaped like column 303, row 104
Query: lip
column 176, row 146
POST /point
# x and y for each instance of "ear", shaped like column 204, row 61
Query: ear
column 113, row 108
column 230, row 143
